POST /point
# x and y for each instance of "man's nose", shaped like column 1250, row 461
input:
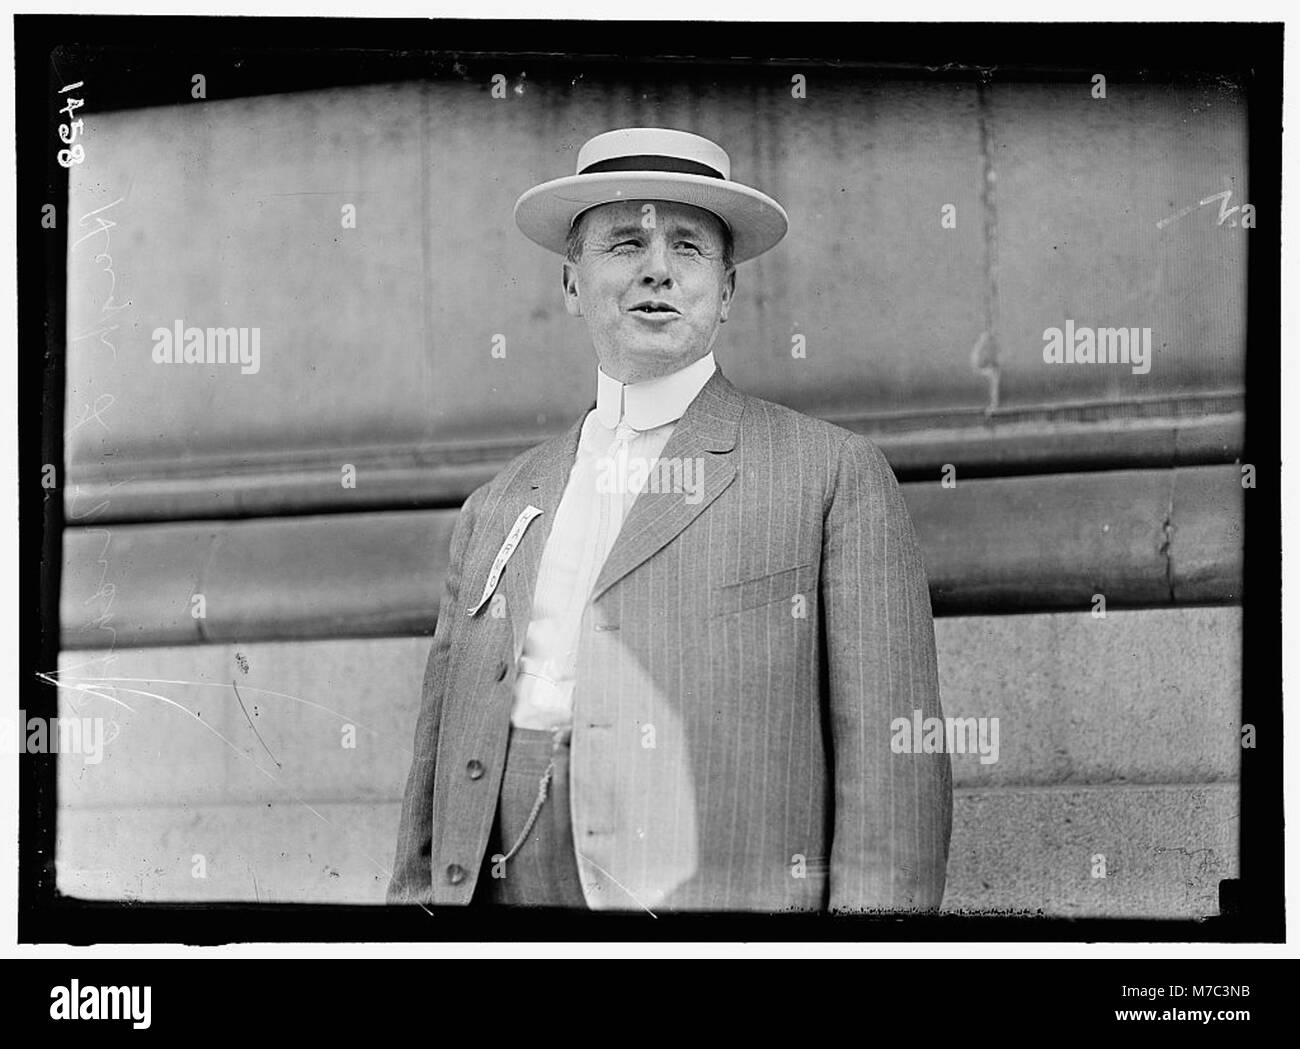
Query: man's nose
column 657, row 269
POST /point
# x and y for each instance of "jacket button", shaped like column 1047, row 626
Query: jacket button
column 502, row 668
column 455, row 874
column 475, row 769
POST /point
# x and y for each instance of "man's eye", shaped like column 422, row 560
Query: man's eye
column 625, row 244
column 686, row 245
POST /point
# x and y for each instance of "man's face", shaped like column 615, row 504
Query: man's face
column 651, row 284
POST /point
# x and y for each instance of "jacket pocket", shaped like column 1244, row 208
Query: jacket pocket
column 780, row 585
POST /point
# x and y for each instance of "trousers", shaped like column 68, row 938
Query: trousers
column 531, row 860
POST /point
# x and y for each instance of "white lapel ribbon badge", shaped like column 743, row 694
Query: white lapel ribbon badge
column 503, row 555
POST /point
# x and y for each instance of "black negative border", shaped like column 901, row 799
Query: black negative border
column 331, row 52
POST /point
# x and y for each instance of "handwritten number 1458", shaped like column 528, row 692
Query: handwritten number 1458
column 68, row 132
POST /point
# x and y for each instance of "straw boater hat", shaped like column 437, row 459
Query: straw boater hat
column 649, row 163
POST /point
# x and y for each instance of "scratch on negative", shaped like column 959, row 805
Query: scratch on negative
column 254, row 727
column 630, row 893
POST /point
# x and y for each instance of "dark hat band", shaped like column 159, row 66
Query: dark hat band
column 677, row 165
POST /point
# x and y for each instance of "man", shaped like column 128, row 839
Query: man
column 673, row 639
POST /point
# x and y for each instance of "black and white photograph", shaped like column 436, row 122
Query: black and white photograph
column 636, row 480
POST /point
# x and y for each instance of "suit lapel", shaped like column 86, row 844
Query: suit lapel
column 706, row 433
column 540, row 484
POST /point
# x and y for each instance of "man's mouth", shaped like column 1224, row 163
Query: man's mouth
column 653, row 306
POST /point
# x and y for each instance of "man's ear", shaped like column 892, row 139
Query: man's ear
column 728, row 290
column 569, row 278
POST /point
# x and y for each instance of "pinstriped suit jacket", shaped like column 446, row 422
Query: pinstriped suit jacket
column 742, row 657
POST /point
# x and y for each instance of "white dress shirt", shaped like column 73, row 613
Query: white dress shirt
column 621, row 440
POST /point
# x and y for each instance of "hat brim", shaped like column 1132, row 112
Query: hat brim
column 545, row 213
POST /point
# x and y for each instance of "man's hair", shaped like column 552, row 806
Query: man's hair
column 574, row 241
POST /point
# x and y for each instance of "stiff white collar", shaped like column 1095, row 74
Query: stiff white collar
column 654, row 402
